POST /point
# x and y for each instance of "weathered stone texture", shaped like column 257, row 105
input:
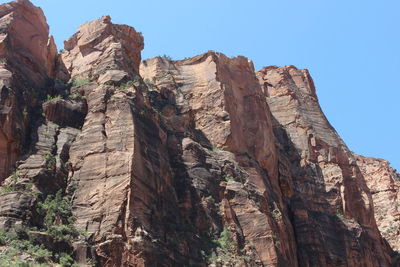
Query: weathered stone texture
column 332, row 205
column 195, row 162
column 102, row 50
column 207, row 93
column 27, row 60
column 42, row 172
column 66, row 112
column 384, row 183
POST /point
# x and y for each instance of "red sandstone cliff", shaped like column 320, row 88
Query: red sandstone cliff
column 196, row 162
column 384, row 183
column 28, row 57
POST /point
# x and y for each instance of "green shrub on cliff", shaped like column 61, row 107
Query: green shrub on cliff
column 10, row 187
column 57, row 213
column 56, row 206
column 226, row 251
column 80, row 81
column 53, row 99
column 18, row 245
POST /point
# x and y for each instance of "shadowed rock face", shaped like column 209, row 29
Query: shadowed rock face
column 196, row 162
column 28, row 57
column 217, row 102
column 384, row 183
column 225, row 99
column 66, row 112
column 332, row 205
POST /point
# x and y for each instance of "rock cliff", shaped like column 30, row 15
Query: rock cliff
column 27, row 61
column 384, row 183
column 330, row 191
column 107, row 160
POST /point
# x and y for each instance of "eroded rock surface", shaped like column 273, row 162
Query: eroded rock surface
column 66, row 112
column 203, row 97
column 120, row 169
column 332, row 206
column 42, row 172
column 384, row 183
column 215, row 90
column 103, row 51
column 27, row 61
column 195, row 162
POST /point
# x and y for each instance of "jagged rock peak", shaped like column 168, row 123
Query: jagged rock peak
column 25, row 40
column 21, row 6
column 102, row 51
column 27, row 61
column 223, row 88
column 288, row 78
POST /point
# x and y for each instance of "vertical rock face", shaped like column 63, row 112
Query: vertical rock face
column 223, row 96
column 25, row 41
column 102, row 51
column 217, row 102
column 332, row 205
column 384, row 183
column 36, row 173
column 28, row 56
column 196, row 162
column 106, row 156
column 130, row 190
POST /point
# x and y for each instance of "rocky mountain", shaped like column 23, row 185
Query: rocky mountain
column 108, row 160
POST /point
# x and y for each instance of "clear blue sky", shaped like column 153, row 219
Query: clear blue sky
column 352, row 49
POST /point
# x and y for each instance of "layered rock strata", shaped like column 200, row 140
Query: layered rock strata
column 332, row 207
column 27, row 61
column 384, row 183
column 204, row 96
column 102, row 51
column 195, row 162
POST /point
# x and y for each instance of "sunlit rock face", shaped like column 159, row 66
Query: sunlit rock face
column 384, row 183
column 217, row 103
column 194, row 162
column 332, row 207
column 102, row 51
column 27, row 60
